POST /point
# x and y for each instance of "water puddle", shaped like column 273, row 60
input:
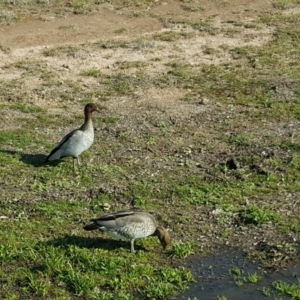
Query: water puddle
column 227, row 274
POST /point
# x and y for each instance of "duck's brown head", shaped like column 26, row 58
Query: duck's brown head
column 90, row 108
column 163, row 236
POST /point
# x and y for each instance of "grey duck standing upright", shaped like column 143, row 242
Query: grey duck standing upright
column 76, row 141
column 130, row 224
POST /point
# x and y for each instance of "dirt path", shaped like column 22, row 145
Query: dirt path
column 48, row 30
column 29, row 37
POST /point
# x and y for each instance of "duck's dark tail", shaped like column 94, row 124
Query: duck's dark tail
column 91, row 226
column 51, row 153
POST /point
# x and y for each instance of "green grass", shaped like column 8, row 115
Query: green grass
column 18, row 138
column 291, row 289
column 253, row 278
column 192, row 7
column 183, row 250
column 236, row 271
column 240, row 279
column 64, row 262
column 92, row 73
column 27, row 108
column 222, row 298
column 74, row 51
column 7, row 16
column 283, row 4
column 68, row 264
column 257, row 216
column 240, row 140
column 5, row 49
column 171, row 36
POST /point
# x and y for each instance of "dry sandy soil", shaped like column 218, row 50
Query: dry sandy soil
column 29, row 33
column 31, row 36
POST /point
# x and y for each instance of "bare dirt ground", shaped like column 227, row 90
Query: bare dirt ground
column 30, row 37
column 49, row 30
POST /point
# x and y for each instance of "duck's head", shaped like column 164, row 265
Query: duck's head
column 163, row 236
column 90, row 108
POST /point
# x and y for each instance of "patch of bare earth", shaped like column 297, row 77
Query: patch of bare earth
column 29, row 39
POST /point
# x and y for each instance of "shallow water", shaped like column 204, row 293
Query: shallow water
column 214, row 280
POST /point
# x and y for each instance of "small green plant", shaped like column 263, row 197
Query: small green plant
column 5, row 49
column 163, row 126
column 74, row 51
column 242, row 140
column 78, row 6
column 110, row 119
column 121, row 30
column 239, row 282
column 92, row 73
column 182, row 249
column 171, row 36
column 257, row 216
column 192, row 8
column 113, row 44
column 80, row 284
column 222, row 298
column 117, row 283
column 132, row 64
column 291, row 289
column 236, row 271
column 288, row 145
column 158, row 290
column 291, row 226
column 7, row 16
column 121, row 84
column 162, row 287
column 210, row 51
column 151, row 140
column 39, row 285
column 253, row 278
column 266, row 292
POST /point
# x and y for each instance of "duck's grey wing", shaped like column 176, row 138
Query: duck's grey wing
column 66, row 137
column 114, row 220
column 61, row 143
column 116, row 215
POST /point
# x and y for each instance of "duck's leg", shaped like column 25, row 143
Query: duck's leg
column 132, row 245
column 74, row 167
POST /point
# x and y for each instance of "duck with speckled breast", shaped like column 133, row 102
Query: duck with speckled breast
column 130, row 224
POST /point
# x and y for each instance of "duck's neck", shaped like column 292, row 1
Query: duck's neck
column 87, row 117
column 87, row 121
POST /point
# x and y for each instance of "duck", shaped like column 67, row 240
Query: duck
column 130, row 224
column 76, row 141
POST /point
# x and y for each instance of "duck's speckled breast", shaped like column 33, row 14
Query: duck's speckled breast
column 133, row 229
column 88, row 138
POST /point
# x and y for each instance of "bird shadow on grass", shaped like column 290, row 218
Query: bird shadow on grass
column 36, row 160
column 91, row 243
